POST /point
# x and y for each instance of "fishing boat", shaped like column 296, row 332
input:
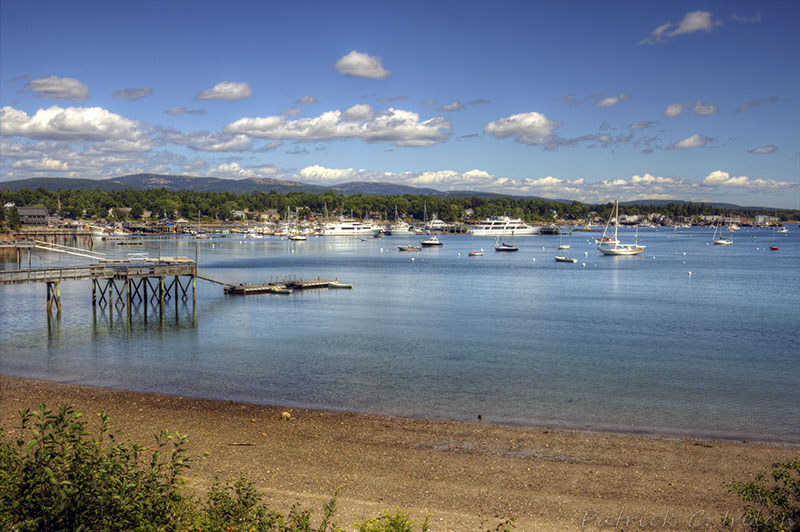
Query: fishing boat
column 609, row 246
column 409, row 248
column 565, row 259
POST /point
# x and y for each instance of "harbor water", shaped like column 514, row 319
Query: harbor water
column 687, row 339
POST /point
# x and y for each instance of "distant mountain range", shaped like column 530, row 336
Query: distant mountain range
column 250, row 185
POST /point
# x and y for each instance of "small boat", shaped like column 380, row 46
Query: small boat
column 563, row 246
column 612, row 246
column 721, row 241
column 565, row 259
column 476, row 253
column 774, row 248
column 298, row 237
column 504, row 246
column 432, row 241
column 409, row 248
column 783, row 229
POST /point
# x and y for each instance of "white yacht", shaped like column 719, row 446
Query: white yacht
column 350, row 228
column 401, row 228
column 503, row 226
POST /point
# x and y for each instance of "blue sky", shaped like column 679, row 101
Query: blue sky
column 574, row 100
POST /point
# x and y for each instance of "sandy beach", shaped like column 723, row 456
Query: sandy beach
column 465, row 475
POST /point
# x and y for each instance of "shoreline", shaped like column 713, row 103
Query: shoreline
column 468, row 475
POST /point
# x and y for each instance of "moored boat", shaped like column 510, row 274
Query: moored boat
column 565, row 259
column 502, row 226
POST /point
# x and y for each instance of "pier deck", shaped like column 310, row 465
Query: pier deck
column 284, row 287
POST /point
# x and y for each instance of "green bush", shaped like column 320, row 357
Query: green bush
column 64, row 478
column 772, row 500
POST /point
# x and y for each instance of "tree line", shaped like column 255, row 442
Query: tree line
column 161, row 204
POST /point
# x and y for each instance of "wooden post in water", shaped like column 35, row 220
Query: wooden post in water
column 94, row 292
column 110, row 287
column 58, row 297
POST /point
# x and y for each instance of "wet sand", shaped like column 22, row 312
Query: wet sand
column 465, row 475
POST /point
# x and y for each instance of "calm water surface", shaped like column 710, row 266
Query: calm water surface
column 622, row 343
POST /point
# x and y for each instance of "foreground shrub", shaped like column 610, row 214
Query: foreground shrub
column 772, row 500
column 64, row 478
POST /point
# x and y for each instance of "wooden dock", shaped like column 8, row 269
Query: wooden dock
column 282, row 287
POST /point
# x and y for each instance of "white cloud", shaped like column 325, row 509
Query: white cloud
column 673, row 110
column 59, row 88
column 233, row 170
column 402, row 128
column 181, row 110
column 360, row 65
column 227, row 90
column 692, row 22
column 71, row 123
column 695, row 141
column 132, row 94
column 358, row 112
column 452, row 107
column 292, row 111
column 612, row 100
column 757, row 103
column 695, row 21
column 43, row 164
column 527, row 128
column 702, row 108
column 322, row 174
column 642, row 124
column 307, row 100
column 764, row 150
column 205, row 141
column 719, row 178
column 755, row 19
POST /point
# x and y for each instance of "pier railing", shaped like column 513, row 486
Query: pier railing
column 120, row 271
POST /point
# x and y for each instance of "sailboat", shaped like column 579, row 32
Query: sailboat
column 721, row 241
column 612, row 246
column 561, row 244
column 504, row 246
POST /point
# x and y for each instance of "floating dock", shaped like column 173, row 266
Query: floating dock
column 282, row 287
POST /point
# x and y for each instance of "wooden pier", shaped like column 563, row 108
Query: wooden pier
column 117, row 283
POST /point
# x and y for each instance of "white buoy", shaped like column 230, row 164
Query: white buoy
column 412, row 259
column 459, row 254
column 684, row 253
column 585, row 253
column 690, row 273
column 583, row 264
column 542, row 248
column 533, row 259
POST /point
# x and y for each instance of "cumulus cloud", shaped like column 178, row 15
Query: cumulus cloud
column 695, row 141
column 181, row 110
column 43, row 164
column 233, row 170
column 673, row 110
column 71, row 123
column 692, row 22
column 719, row 178
column 56, row 88
column 526, row 128
column 321, row 174
column 402, row 128
column 227, row 90
column 756, row 103
column 307, row 100
column 612, row 100
column 452, row 107
column 205, row 141
column 132, row 94
column 702, row 108
column 764, row 150
column 360, row 65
